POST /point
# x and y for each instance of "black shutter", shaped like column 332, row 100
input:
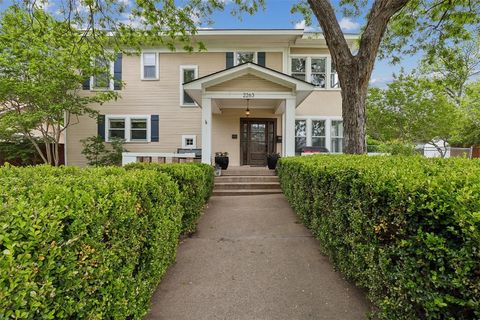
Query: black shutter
column 261, row 58
column 86, row 84
column 101, row 126
column 229, row 57
column 117, row 73
column 154, row 128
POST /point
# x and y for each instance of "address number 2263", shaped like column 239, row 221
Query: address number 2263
column 248, row 95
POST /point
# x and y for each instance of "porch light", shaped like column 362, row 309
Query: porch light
column 247, row 112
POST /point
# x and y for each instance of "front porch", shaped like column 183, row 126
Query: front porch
column 247, row 111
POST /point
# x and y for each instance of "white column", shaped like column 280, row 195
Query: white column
column 207, row 130
column 289, row 127
column 328, row 136
column 283, row 134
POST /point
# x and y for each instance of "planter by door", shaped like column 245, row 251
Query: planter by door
column 222, row 162
column 272, row 161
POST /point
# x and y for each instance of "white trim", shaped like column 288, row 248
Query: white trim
column 206, row 130
column 157, row 65
column 189, row 136
column 182, row 80
column 128, row 131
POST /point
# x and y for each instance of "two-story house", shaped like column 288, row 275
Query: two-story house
column 252, row 92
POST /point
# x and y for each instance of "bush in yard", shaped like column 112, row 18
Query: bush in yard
column 195, row 181
column 84, row 243
column 404, row 228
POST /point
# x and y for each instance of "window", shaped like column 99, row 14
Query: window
column 138, row 129
column 318, row 133
column 300, row 135
column 318, row 72
column 130, row 128
column 334, row 82
column 187, row 73
column 244, row 56
column 102, row 80
column 116, row 128
column 299, row 68
column 337, row 136
column 149, row 66
column 189, row 141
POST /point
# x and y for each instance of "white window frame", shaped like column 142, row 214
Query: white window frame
column 308, row 68
column 336, row 137
column 128, row 123
column 182, row 68
column 235, row 59
column 328, row 128
column 157, row 66
column 184, row 141
column 110, row 82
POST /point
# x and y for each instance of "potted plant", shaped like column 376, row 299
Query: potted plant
column 221, row 158
column 272, row 159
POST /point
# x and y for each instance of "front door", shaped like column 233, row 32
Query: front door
column 257, row 138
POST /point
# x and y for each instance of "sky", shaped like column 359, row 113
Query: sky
column 277, row 16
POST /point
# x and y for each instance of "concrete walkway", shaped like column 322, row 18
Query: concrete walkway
column 251, row 259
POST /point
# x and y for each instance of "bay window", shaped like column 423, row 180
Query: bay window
column 300, row 135
column 337, row 136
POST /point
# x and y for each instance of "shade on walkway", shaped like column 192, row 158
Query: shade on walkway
column 252, row 259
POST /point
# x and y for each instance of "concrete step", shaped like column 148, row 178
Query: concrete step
column 225, row 179
column 246, row 185
column 248, row 172
column 247, row 192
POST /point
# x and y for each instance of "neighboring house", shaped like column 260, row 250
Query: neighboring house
column 171, row 100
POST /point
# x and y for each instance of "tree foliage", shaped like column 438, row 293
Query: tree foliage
column 98, row 153
column 42, row 66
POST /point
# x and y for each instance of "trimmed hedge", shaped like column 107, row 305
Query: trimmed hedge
column 404, row 228
column 85, row 243
column 195, row 181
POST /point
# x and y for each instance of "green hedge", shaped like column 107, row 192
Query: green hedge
column 84, row 243
column 195, row 182
column 404, row 228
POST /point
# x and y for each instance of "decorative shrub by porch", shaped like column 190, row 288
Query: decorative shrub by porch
column 404, row 228
column 84, row 243
column 195, row 181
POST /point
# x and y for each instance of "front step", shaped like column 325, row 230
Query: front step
column 247, row 192
column 228, row 179
column 246, row 185
column 244, row 181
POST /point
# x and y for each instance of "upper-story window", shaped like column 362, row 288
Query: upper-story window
column 149, row 66
column 187, row 73
column 102, row 80
column 245, row 56
column 317, row 70
column 334, row 82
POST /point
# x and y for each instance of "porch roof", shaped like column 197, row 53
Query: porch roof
column 298, row 88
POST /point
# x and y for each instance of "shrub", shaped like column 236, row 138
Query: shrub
column 84, row 243
column 195, row 182
column 99, row 153
column 404, row 228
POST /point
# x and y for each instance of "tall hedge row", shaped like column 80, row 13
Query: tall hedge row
column 404, row 228
column 195, row 181
column 85, row 243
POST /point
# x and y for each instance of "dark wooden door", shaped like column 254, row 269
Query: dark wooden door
column 257, row 138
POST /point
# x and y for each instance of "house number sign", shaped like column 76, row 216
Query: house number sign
column 248, row 95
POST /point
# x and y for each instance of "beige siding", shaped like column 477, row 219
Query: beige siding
column 274, row 60
column 249, row 83
column 228, row 123
column 321, row 103
column 309, row 51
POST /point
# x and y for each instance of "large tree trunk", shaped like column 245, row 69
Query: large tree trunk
column 354, row 71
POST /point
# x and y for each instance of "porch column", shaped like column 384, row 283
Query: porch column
column 207, row 130
column 289, row 127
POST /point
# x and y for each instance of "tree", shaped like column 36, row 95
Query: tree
column 404, row 26
column 42, row 66
column 413, row 110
